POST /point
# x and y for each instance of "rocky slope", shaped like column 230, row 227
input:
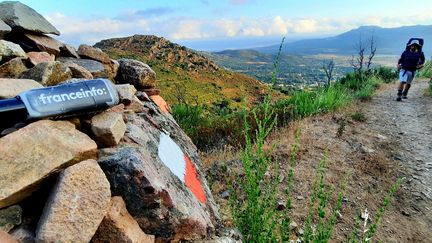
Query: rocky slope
column 184, row 72
column 123, row 174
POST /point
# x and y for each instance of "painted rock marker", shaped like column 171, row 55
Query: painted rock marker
column 180, row 165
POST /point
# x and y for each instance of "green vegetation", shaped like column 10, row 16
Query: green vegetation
column 215, row 125
column 319, row 204
column 426, row 71
column 359, row 116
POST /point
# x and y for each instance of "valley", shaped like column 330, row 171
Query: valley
column 295, row 71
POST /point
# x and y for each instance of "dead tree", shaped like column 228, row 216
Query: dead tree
column 372, row 51
column 361, row 61
column 328, row 69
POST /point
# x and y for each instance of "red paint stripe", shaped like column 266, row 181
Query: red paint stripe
column 192, row 181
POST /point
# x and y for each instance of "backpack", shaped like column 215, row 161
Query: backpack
column 411, row 60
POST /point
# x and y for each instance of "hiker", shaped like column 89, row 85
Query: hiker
column 410, row 61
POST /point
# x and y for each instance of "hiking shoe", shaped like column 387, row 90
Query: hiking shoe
column 404, row 97
column 399, row 98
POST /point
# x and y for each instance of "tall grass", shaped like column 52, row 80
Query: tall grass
column 211, row 127
column 256, row 215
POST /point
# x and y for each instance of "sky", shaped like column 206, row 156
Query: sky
column 223, row 24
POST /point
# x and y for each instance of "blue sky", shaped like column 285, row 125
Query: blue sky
column 196, row 21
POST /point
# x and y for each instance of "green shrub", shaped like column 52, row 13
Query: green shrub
column 359, row 116
column 426, row 71
column 320, row 100
column 386, row 74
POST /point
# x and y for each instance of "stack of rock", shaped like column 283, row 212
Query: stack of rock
column 126, row 174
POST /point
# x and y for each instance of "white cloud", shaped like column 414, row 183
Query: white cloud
column 89, row 31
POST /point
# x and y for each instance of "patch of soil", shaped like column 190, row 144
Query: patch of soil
column 394, row 142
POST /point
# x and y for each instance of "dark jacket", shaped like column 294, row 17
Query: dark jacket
column 410, row 60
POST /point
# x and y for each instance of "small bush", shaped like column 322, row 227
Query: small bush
column 387, row 75
column 359, row 116
column 426, row 71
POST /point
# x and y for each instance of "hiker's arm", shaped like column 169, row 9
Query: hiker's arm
column 400, row 61
column 422, row 61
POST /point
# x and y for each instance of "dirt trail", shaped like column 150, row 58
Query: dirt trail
column 409, row 123
column 395, row 141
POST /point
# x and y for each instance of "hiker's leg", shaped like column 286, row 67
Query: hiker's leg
column 403, row 78
column 410, row 78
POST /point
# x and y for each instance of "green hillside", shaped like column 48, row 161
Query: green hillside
column 185, row 74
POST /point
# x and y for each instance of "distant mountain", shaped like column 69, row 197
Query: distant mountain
column 389, row 41
column 183, row 72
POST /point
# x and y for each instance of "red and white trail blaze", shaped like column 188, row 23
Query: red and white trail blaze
column 180, row 165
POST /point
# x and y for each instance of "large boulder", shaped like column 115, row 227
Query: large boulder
column 119, row 226
column 35, row 152
column 137, row 73
column 36, row 42
column 96, row 68
column 13, row 68
column 9, row 50
column 10, row 88
column 76, row 206
column 48, row 73
column 89, row 52
column 38, row 57
column 21, row 17
column 159, row 178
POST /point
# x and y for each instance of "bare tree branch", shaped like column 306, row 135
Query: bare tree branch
column 372, row 51
column 328, row 69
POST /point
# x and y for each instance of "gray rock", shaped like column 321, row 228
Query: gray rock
column 10, row 88
column 281, row 205
column 78, row 71
column 76, row 205
column 9, row 50
column 225, row 194
column 13, row 68
column 4, row 28
column 48, row 73
column 38, row 43
column 68, row 51
column 9, row 217
column 156, row 194
column 49, row 147
column 126, row 93
column 89, row 52
column 108, row 128
column 293, row 225
column 21, row 17
column 136, row 73
column 97, row 69
column 119, row 226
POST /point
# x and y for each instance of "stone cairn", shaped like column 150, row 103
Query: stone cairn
column 126, row 174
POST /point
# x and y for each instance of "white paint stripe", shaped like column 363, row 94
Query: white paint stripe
column 172, row 156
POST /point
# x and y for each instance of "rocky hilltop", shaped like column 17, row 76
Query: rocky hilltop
column 123, row 174
column 181, row 69
column 158, row 48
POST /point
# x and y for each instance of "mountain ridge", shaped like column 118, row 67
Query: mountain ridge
column 389, row 41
